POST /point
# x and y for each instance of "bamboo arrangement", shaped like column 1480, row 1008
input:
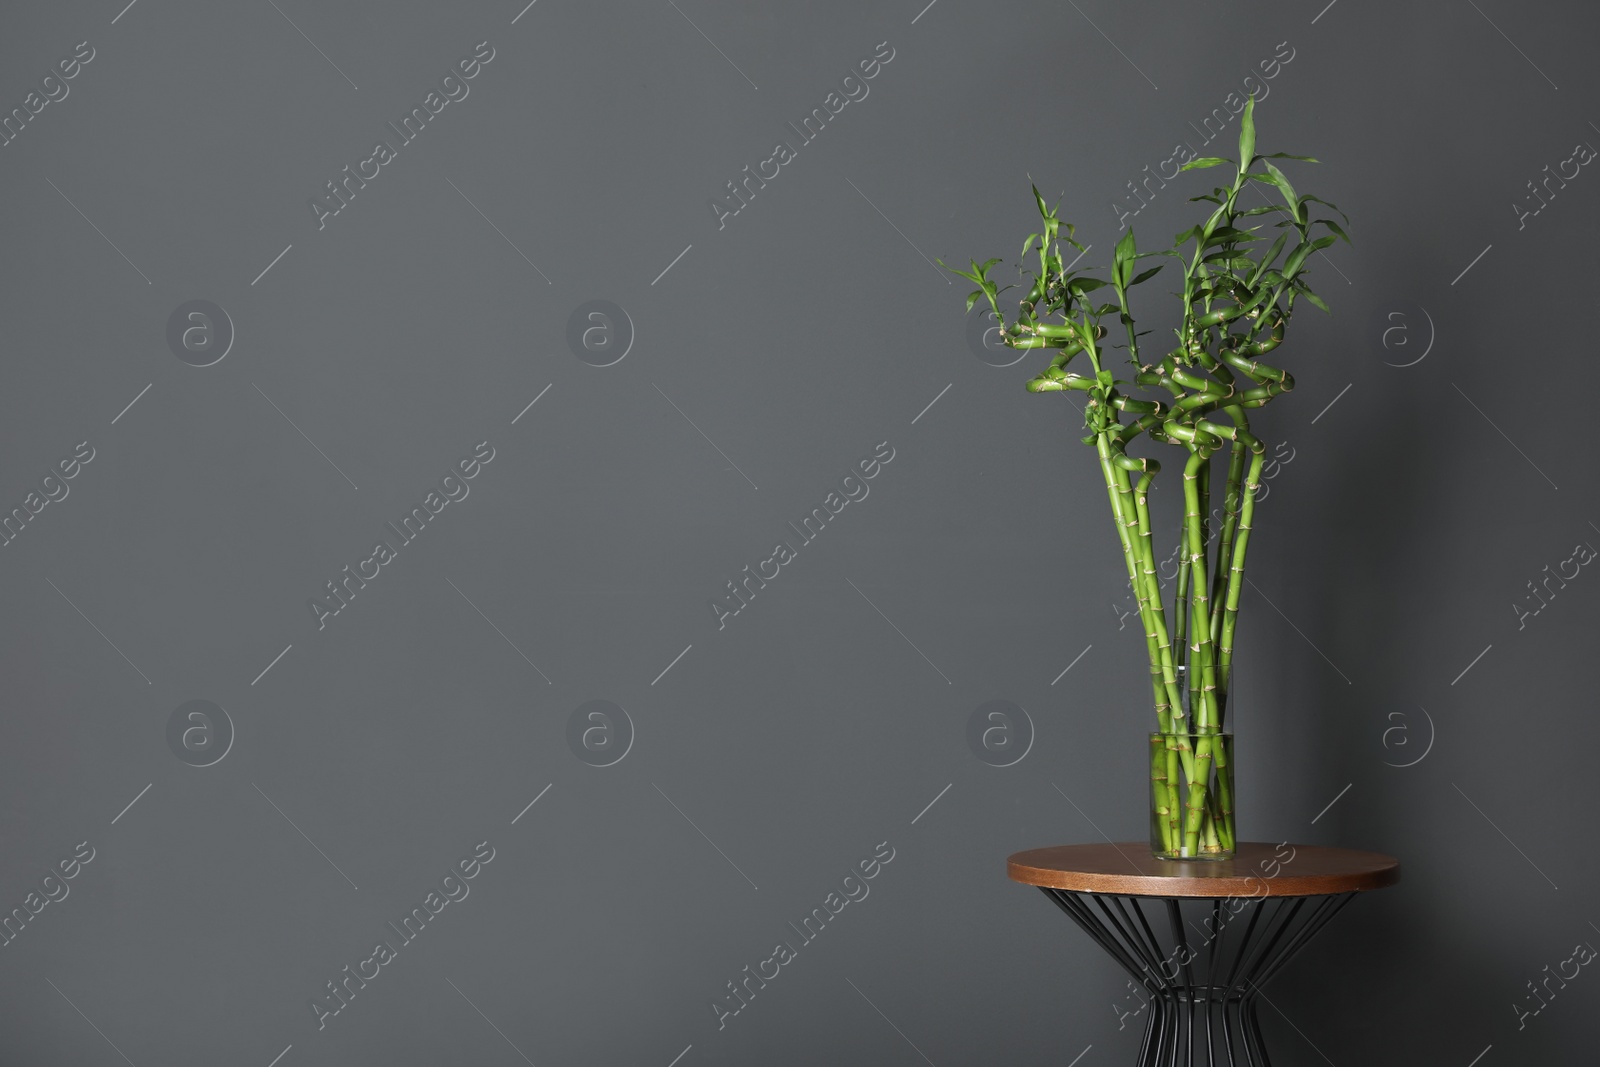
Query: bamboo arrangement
column 1235, row 306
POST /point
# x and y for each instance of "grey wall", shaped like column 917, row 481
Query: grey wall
column 338, row 771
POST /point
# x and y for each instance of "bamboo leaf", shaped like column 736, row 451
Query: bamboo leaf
column 1297, row 258
column 971, row 276
column 1122, row 261
column 1328, row 203
column 1256, row 299
column 1247, row 133
column 1146, row 275
column 1203, row 162
column 1334, row 226
column 1291, row 155
column 1269, row 258
column 1230, row 233
column 1276, row 177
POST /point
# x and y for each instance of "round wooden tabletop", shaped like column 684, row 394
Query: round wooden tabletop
column 1255, row 870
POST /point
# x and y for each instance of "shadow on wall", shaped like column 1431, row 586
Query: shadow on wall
column 1389, row 955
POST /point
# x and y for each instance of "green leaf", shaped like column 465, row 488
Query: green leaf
column 1334, row 226
column 1232, row 260
column 1297, row 258
column 1276, row 177
column 1262, row 210
column 969, row 275
column 1247, row 133
column 1032, row 237
column 1084, row 285
column 1044, row 212
column 1256, row 299
column 1328, row 203
column 972, row 298
column 1147, row 275
column 1203, row 162
column 1290, row 155
column 1229, row 233
column 1122, row 261
column 1267, row 260
column 1317, row 300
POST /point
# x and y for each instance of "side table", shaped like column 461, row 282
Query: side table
column 1230, row 925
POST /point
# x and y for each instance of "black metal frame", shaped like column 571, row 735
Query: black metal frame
column 1190, row 1013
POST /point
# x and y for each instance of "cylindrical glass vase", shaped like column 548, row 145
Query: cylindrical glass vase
column 1191, row 796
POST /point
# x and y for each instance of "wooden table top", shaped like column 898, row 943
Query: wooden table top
column 1256, row 870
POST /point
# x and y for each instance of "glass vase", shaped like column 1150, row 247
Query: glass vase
column 1191, row 796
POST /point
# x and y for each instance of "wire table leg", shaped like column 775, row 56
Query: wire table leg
column 1201, row 977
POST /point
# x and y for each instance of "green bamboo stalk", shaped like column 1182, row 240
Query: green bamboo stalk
column 1152, row 585
column 1230, row 521
column 1180, row 609
column 1204, row 491
column 1202, row 678
column 1146, row 585
column 1150, row 417
column 1160, row 794
column 1174, row 816
column 1235, row 505
column 1203, row 753
column 1117, row 488
column 1223, row 797
column 1162, row 659
column 1247, row 513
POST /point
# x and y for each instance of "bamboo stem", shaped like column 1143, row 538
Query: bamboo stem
column 1202, row 676
column 1152, row 582
column 1247, row 513
column 1161, row 794
column 1124, row 515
